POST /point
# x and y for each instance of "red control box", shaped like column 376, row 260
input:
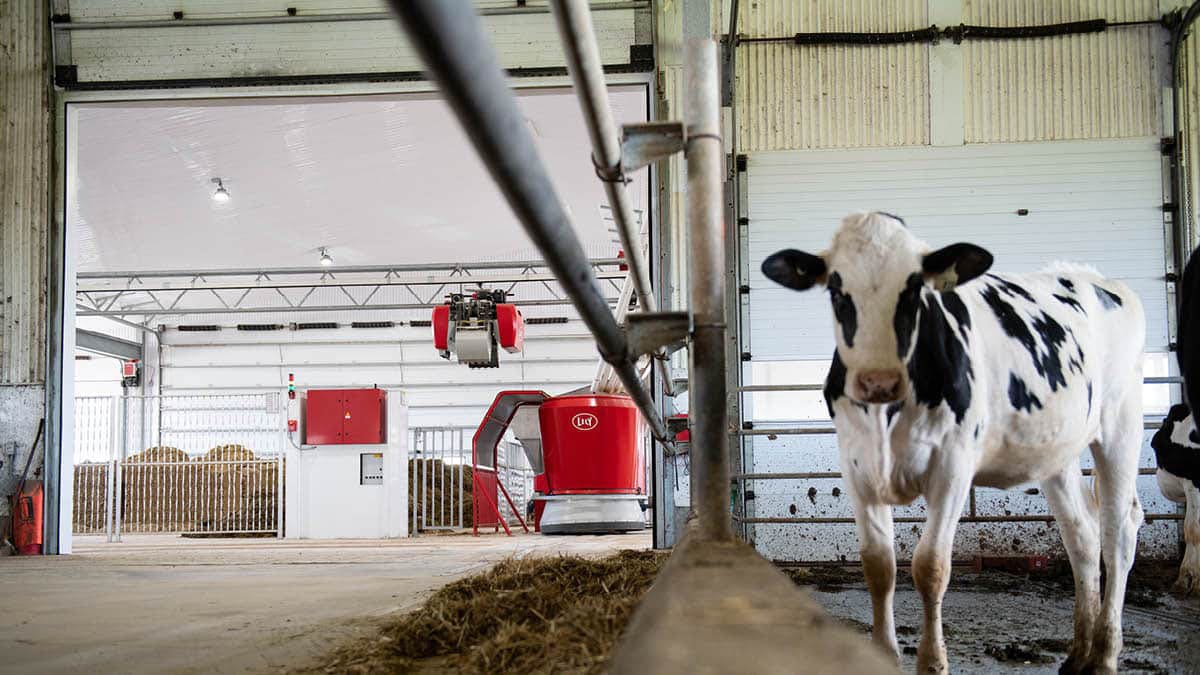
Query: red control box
column 345, row 416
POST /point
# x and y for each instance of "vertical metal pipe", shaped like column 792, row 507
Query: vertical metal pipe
column 706, row 282
column 458, row 54
column 122, row 452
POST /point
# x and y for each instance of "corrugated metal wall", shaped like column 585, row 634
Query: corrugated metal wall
column 1100, row 85
column 1103, row 85
column 793, row 98
column 25, row 147
column 1189, row 124
column 527, row 40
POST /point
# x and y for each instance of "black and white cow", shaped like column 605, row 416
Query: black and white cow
column 1177, row 443
column 946, row 376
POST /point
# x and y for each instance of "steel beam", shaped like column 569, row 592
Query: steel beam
column 99, row 343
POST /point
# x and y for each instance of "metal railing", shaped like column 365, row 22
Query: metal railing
column 825, row 429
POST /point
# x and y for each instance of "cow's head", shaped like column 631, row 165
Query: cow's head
column 876, row 272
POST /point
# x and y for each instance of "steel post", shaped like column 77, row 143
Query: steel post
column 456, row 51
column 706, row 280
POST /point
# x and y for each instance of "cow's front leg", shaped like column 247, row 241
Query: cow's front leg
column 945, row 495
column 1071, row 503
column 1188, row 582
column 876, row 545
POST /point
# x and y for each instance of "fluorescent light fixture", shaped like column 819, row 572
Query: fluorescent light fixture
column 326, row 259
column 221, row 195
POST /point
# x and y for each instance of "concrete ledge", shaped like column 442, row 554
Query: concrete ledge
column 721, row 608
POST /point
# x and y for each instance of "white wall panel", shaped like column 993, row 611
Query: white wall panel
column 791, row 97
column 524, row 40
column 557, row 359
column 1094, row 202
column 1099, row 85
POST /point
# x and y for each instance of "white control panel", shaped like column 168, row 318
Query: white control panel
column 372, row 468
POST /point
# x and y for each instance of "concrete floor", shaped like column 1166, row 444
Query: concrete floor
column 1001, row 623
column 167, row 604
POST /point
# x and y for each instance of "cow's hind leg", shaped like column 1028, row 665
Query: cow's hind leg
column 945, row 496
column 1075, row 510
column 877, row 547
column 1188, row 582
column 1116, row 455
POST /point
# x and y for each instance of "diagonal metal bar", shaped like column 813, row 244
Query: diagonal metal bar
column 458, row 55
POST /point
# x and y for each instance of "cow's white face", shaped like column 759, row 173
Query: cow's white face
column 875, row 271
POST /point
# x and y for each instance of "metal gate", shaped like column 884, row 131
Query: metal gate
column 188, row 464
column 439, row 479
column 440, row 485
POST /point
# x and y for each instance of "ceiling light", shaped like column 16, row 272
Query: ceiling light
column 326, row 259
column 221, row 195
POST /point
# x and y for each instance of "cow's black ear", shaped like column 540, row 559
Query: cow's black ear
column 955, row 264
column 795, row 269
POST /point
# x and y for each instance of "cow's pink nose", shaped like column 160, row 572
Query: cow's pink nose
column 879, row 386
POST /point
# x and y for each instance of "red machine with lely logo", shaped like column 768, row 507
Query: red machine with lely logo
column 589, row 445
column 594, row 465
column 475, row 327
column 587, row 455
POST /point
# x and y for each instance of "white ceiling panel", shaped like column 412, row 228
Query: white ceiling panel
column 376, row 179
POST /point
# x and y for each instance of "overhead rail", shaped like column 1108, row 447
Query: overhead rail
column 291, row 15
column 157, row 293
column 458, row 55
column 587, row 73
column 957, row 34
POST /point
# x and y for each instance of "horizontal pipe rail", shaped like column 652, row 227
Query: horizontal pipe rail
column 1170, row 379
column 803, row 475
column 458, row 55
column 824, row 520
column 825, row 430
column 339, row 17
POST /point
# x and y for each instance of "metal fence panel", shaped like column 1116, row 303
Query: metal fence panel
column 190, row 464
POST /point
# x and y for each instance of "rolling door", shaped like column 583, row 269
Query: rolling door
column 1093, row 202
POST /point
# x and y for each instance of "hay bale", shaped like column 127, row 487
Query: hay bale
column 158, row 453
column 526, row 615
column 229, row 453
column 227, row 489
column 439, row 484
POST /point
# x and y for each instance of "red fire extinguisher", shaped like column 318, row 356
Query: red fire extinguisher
column 27, row 519
column 28, row 506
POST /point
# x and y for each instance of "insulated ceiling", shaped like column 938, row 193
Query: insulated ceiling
column 375, row 179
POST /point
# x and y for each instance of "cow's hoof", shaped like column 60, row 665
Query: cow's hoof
column 1188, row 583
column 1072, row 666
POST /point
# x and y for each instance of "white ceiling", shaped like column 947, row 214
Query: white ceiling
column 377, row 180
